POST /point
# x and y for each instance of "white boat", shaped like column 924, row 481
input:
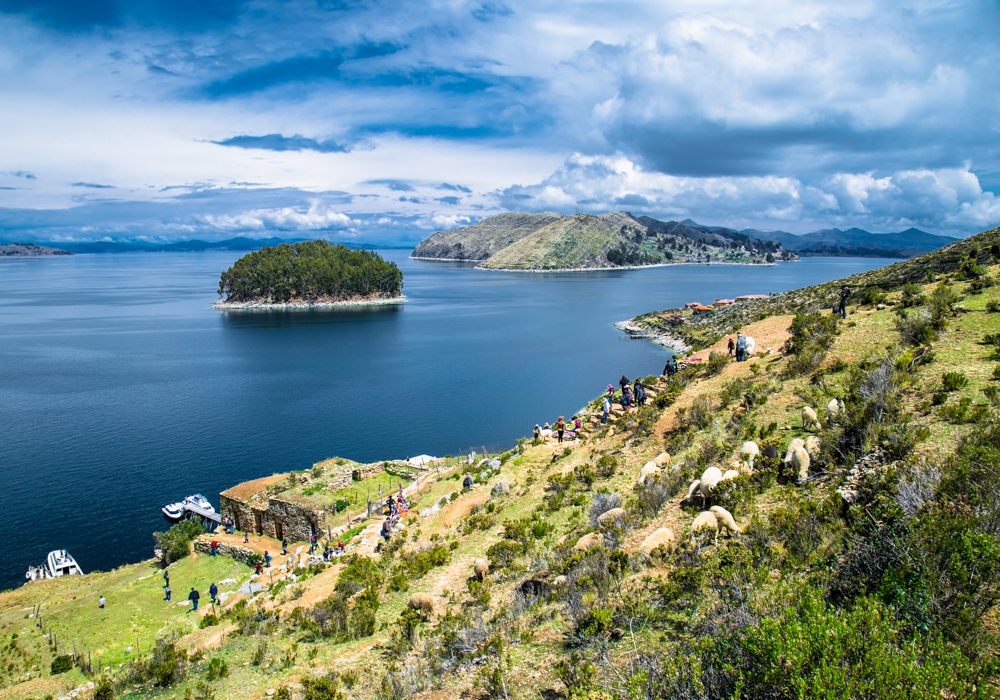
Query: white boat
column 200, row 501
column 173, row 511
column 59, row 563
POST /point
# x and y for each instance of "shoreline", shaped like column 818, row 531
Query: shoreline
column 665, row 339
column 619, row 267
column 304, row 305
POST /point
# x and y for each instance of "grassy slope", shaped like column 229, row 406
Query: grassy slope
column 571, row 242
column 538, row 636
column 483, row 239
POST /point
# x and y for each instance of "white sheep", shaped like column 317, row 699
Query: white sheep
column 482, row 569
column 730, row 474
column 662, row 460
column 422, row 602
column 710, row 478
column 833, row 407
column 725, row 519
column 810, row 421
column 705, row 520
column 792, row 446
column 611, row 517
column 812, row 445
column 748, row 452
column 559, row 581
column 660, row 539
column 588, row 541
column 694, row 488
column 648, row 469
column 799, row 461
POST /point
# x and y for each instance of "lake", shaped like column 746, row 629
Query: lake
column 121, row 390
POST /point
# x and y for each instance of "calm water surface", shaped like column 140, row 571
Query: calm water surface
column 120, row 390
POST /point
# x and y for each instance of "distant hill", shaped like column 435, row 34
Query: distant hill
column 484, row 239
column 857, row 242
column 29, row 250
column 240, row 243
column 521, row 241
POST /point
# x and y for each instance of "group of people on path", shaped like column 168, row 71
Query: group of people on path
column 631, row 394
column 738, row 348
column 194, row 596
column 396, row 509
column 561, row 429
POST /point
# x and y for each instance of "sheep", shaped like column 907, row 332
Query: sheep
column 694, row 488
column 649, row 469
column 770, row 451
column 833, row 407
column 560, row 581
column 611, row 517
column 588, row 541
column 730, row 474
column 812, row 445
column 422, row 602
column 533, row 587
column 749, row 451
column 660, row 538
column 792, row 446
column 710, row 478
column 725, row 519
column 799, row 460
column 662, row 460
column 705, row 520
column 809, row 418
column 482, row 569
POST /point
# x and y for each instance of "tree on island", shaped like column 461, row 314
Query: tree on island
column 310, row 271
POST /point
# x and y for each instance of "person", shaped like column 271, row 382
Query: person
column 100, row 602
column 215, row 548
column 537, row 433
column 626, row 397
column 670, row 369
column 623, row 382
column 390, row 503
column 741, row 347
column 340, row 548
column 213, row 591
column 386, row 529
column 258, row 569
column 166, row 591
column 640, row 393
column 166, row 577
column 267, row 559
column 193, row 596
column 467, row 482
column 606, row 410
column 284, row 546
column 844, row 294
column 246, row 537
column 611, row 393
column 732, row 346
column 560, row 428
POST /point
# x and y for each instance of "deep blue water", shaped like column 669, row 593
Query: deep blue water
column 120, row 390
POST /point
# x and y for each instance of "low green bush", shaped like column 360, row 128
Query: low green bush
column 175, row 543
column 61, row 664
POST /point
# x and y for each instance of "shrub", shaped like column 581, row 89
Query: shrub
column 209, row 620
column 217, row 668
column 915, row 328
column 993, row 306
column 941, row 304
column 61, row 664
column 419, row 563
column 105, row 689
column 812, row 335
column 320, row 689
column 871, row 296
column 911, row 296
column 503, row 553
column 954, row 381
column 175, row 543
column 399, row 581
column 606, row 466
column 717, row 362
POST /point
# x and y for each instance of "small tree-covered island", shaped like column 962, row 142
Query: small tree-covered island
column 309, row 274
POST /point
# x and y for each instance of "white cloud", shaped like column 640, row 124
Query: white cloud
column 318, row 217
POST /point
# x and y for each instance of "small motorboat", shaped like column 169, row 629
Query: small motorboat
column 173, row 511
column 59, row 563
column 200, row 502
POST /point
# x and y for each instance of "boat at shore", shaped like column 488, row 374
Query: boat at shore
column 59, row 563
column 173, row 511
column 200, row 502
column 195, row 503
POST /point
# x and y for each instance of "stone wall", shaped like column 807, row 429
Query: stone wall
column 233, row 551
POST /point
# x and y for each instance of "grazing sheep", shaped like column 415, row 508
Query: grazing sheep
column 710, row 478
column 559, row 581
column 812, row 445
column 725, row 519
column 588, row 541
column 770, row 451
column 422, row 602
column 706, row 520
column 649, row 469
column 749, row 451
column 611, row 517
column 482, row 569
column 810, row 421
column 730, row 474
column 660, row 538
column 799, row 461
column 833, row 407
column 694, row 488
column 533, row 587
column 662, row 460
column 792, row 446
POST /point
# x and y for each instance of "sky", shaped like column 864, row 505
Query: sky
column 383, row 121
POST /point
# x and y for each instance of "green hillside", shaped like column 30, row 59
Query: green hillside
column 483, row 239
column 868, row 568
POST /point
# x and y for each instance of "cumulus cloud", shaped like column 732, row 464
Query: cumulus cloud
column 318, row 217
column 947, row 199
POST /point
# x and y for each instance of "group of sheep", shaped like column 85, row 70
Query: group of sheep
column 654, row 467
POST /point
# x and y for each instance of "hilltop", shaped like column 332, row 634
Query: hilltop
column 857, row 242
column 518, row 241
column 29, row 250
column 866, row 567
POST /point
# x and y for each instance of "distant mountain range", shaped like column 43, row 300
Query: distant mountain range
column 854, row 242
column 236, row 244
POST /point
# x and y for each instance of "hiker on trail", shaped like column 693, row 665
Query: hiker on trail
column 312, row 543
column 340, row 548
column 100, row 602
column 246, row 537
column 284, row 546
column 844, row 294
column 741, row 347
column 640, row 393
column 386, row 529
column 267, row 559
column 537, row 433
column 166, row 577
column 623, row 382
column 606, row 410
column 166, row 591
column 215, row 548
column 670, row 369
column 732, row 346
column 467, row 482
column 213, row 591
column 560, row 428
column 626, row 397
column 193, row 596
column 577, row 425
column 611, row 393
column 258, row 569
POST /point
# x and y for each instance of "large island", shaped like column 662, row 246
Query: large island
column 309, row 274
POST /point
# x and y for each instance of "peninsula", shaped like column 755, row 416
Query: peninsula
column 548, row 241
column 30, row 250
column 309, row 274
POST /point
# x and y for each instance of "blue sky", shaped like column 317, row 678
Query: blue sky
column 384, row 121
